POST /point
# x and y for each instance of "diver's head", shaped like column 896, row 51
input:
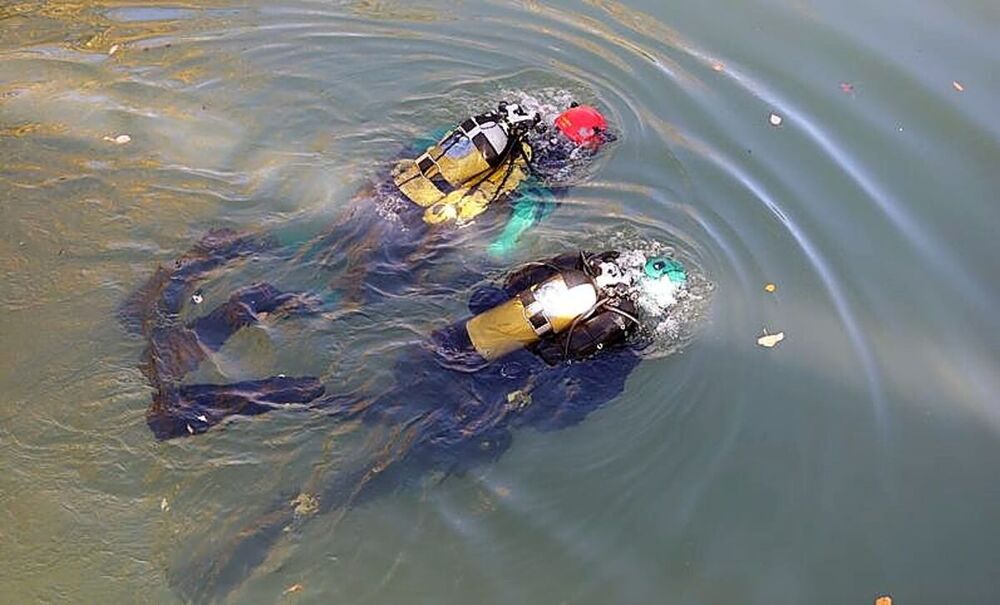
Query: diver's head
column 564, row 149
column 583, row 125
column 652, row 281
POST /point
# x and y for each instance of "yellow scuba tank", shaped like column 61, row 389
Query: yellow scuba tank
column 458, row 177
column 548, row 307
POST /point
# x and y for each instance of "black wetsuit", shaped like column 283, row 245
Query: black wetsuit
column 380, row 245
column 446, row 366
column 448, row 410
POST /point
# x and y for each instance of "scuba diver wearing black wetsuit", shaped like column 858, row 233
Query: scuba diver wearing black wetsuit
column 392, row 229
column 507, row 155
column 569, row 308
column 551, row 344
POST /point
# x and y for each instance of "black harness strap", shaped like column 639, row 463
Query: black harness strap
column 426, row 166
column 483, row 145
column 429, row 169
column 471, row 128
column 539, row 323
column 443, row 186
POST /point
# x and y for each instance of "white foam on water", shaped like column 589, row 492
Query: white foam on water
column 668, row 312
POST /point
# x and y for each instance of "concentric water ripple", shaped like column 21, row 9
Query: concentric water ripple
column 852, row 460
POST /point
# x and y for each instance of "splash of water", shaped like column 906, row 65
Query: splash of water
column 668, row 312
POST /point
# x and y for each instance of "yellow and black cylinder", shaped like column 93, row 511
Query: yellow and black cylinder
column 549, row 307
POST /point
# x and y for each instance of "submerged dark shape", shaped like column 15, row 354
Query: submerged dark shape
column 483, row 353
column 460, row 393
column 392, row 231
column 174, row 349
column 457, row 398
column 500, row 159
column 165, row 293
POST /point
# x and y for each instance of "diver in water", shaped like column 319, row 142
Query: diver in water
column 503, row 155
column 400, row 224
column 573, row 307
column 544, row 349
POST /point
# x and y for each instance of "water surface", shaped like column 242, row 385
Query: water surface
column 856, row 458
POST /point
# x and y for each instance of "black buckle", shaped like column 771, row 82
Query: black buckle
column 533, row 313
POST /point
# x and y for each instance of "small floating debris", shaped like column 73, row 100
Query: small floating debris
column 718, row 66
column 846, row 87
column 957, row 86
column 305, row 505
column 119, row 140
column 197, row 298
column 770, row 288
column 164, row 505
column 518, row 400
column 775, row 119
column 883, row 600
column 293, row 588
column 770, row 340
column 114, row 48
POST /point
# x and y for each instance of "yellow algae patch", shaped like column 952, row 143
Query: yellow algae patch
column 401, row 11
column 305, row 505
column 31, row 128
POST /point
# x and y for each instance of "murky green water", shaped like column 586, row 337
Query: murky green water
column 856, row 458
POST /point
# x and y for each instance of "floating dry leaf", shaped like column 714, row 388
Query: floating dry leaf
column 769, row 340
column 958, row 86
column 770, row 287
column 293, row 588
column 775, row 119
column 883, row 600
column 119, row 140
